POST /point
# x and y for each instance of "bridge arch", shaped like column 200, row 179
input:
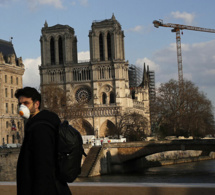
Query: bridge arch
column 136, row 150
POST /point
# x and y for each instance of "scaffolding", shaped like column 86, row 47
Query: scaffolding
column 151, row 76
column 135, row 75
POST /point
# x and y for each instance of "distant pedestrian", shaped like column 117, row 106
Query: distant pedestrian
column 37, row 162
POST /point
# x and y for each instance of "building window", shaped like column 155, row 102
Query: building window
column 7, row 139
column 52, row 51
column 12, row 108
column 104, row 98
column 17, row 80
column 5, row 78
column 102, row 73
column 112, row 98
column 5, row 92
column 6, row 107
column 60, row 49
column 133, row 94
column 11, row 93
column 11, row 79
column 13, row 139
column 7, row 124
column 101, row 47
column 109, row 46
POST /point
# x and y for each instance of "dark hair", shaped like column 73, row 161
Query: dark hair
column 29, row 92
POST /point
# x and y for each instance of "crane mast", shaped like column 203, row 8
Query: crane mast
column 176, row 29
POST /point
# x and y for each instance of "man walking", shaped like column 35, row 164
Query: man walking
column 37, row 162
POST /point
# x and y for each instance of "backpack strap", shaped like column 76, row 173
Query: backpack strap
column 53, row 127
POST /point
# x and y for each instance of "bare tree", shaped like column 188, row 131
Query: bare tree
column 188, row 114
column 57, row 100
column 132, row 126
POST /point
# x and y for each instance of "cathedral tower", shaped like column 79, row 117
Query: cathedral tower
column 102, row 83
column 106, row 41
column 58, row 50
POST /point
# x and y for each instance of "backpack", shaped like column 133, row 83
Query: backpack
column 70, row 150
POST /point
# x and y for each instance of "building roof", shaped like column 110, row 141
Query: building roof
column 57, row 27
column 106, row 22
column 6, row 48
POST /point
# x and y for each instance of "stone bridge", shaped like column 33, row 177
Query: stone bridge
column 134, row 150
column 113, row 157
column 130, row 156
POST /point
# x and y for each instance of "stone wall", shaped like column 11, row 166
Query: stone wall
column 8, row 164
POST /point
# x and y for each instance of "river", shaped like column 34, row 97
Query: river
column 195, row 172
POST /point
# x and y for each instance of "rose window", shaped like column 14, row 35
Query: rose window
column 83, row 95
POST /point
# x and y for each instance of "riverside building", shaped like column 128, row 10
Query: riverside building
column 11, row 72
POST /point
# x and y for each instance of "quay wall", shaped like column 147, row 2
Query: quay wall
column 8, row 163
column 107, row 162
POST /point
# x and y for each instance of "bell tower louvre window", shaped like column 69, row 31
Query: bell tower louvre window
column 52, row 51
column 60, row 47
column 109, row 46
column 101, row 46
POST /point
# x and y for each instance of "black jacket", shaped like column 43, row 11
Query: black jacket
column 36, row 167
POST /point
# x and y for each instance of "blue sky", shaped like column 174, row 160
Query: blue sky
column 23, row 20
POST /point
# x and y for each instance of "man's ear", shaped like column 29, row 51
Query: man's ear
column 37, row 104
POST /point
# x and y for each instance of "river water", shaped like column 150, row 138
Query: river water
column 195, row 172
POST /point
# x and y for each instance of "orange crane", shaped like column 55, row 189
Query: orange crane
column 177, row 28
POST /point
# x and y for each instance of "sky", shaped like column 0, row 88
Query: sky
column 24, row 19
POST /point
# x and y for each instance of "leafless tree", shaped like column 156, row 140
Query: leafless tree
column 132, row 126
column 188, row 112
column 57, row 100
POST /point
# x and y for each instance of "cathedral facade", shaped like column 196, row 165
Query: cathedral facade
column 11, row 72
column 102, row 83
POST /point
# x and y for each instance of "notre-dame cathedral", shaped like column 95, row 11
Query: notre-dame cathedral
column 103, row 82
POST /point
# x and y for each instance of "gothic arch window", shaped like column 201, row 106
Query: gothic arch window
column 101, row 46
column 74, row 75
column 61, row 75
column 104, row 98
column 52, row 76
column 112, row 98
column 52, row 51
column 109, row 72
column 109, row 46
column 81, row 74
column 102, row 73
column 60, row 49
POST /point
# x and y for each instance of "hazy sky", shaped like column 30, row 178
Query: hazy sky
column 23, row 20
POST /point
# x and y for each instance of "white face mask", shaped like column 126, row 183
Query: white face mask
column 24, row 111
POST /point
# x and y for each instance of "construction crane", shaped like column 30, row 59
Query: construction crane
column 176, row 29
